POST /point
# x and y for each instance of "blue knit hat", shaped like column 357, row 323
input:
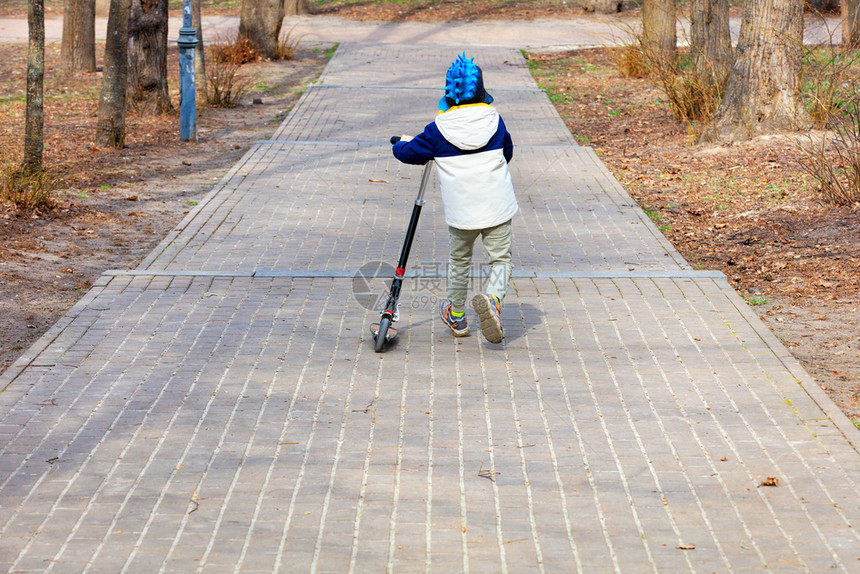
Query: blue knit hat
column 464, row 84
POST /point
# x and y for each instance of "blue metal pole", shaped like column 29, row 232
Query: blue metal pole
column 187, row 84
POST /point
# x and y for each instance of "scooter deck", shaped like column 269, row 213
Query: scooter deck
column 391, row 334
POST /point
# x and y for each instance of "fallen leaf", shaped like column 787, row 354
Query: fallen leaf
column 378, row 181
column 488, row 474
column 686, row 547
column 770, row 481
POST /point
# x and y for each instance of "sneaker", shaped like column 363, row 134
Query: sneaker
column 489, row 311
column 458, row 325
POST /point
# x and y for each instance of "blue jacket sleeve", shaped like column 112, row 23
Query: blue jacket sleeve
column 417, row 151
column 508, row 149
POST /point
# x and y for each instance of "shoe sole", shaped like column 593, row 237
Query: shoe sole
column 459, row 333
column 490, row 327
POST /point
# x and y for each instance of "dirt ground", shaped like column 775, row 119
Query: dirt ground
column 744, row 209
column 114, row 206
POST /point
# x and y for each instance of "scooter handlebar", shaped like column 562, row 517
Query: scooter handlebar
column 394, row 139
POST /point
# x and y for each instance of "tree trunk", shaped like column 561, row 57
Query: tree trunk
column 260, row 23
column 603, row 6
column 763, row 91
column 710, row 39
column 199, row 52
column 110, row 128
column 34, row 122
column 147, row 57
column 78, row 47
column 297, row 7
column 850, row 31
column 658, row 26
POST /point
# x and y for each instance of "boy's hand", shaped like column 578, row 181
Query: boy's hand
column 405, row 138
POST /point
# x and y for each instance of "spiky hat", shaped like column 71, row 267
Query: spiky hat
column 464, row 84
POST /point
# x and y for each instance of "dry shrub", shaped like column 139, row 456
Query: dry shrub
column 828, row 77
column 288, row 46
column 830, row 84
column 834, row 161
column 232, row 49
column 629, row 57
column 225, row 83
column 693, row 91
column 26, row 191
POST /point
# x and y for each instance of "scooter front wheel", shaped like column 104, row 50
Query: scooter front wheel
column 381, row 336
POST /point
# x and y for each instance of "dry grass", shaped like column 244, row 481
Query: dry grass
column 288, row 45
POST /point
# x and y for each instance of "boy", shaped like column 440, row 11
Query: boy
column 472, row 149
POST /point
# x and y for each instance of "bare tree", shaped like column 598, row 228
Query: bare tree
column 78, row 46
column 710, row 39
column 35, row 112
column 658, row 26
column 850, row 31
column 110, row 128
column 763, row 91
column 147, row 56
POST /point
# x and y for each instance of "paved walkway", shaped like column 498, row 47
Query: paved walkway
column 220, row 408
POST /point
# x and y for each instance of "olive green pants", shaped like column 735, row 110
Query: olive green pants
column 497, row 242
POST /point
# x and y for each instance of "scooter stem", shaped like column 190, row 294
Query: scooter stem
column 413, row 221
column 394, row 294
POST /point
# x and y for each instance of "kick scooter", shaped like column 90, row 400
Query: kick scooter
column 382, row 331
